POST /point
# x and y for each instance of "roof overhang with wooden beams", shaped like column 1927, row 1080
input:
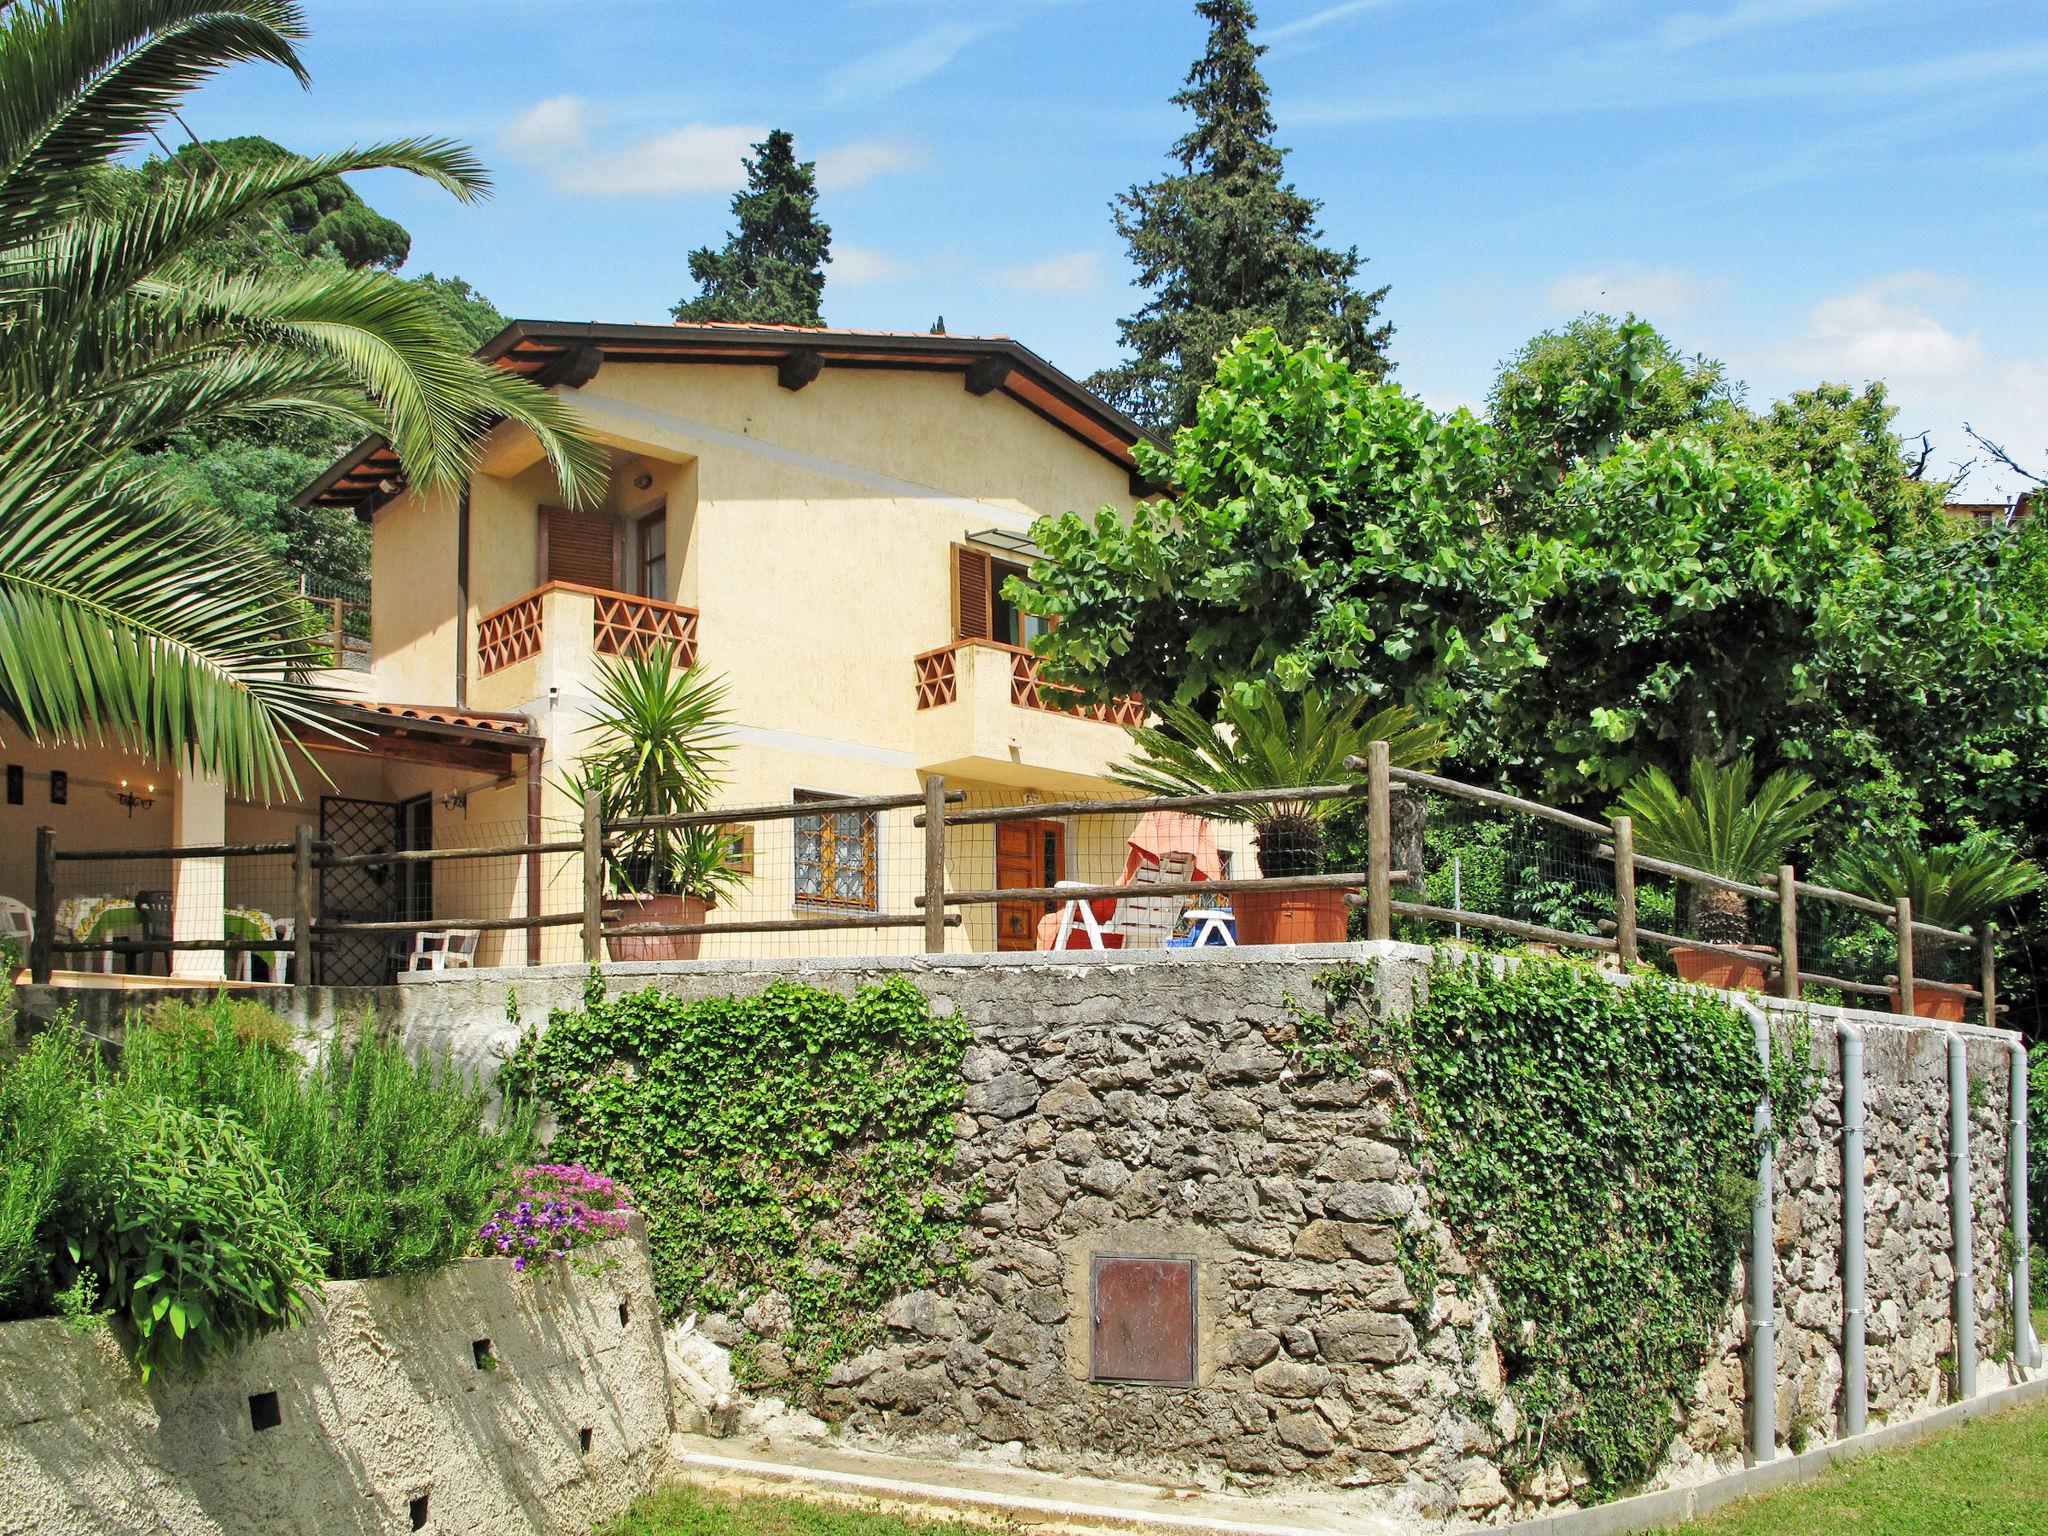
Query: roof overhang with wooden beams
column 499, row 745
column 551, row 353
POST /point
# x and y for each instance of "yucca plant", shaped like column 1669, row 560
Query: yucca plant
column 1725, row 824
column 657, row 743
column 1276, row 742
column 128, row 611
column 1955, row 886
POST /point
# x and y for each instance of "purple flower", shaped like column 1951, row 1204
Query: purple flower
column 554, row 1208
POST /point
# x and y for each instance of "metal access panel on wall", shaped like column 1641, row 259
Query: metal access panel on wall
column 1142, row 1320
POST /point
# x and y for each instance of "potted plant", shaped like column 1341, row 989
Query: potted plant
column 1724, row 825
column 1956, row 886
column 1275, row 743
column 657, row 740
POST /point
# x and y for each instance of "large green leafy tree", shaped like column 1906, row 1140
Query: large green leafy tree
column 1324, row 530
column 328, row 219
column 772, row 268
column 129, row 609
column 1226, row 245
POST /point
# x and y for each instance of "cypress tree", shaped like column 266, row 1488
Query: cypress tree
column 772, row 268
column 1227, row 245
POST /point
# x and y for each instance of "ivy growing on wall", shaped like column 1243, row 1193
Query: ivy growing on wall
column 1592, row 1149
column 788, row 1149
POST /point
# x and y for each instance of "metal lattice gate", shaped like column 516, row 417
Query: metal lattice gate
column 357, row 893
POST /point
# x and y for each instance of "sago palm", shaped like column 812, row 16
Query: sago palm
column 129, row 613
column 1276, row 743
column 1726, row 825
column 1953, row 887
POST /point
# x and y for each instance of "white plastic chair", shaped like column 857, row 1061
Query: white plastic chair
column 448, row 949
column 1138, row 919
column 17, row 926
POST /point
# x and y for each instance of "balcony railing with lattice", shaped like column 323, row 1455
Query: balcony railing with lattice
column 511, row 634
column 938, row 679
column 938, row 682
column 621, row 624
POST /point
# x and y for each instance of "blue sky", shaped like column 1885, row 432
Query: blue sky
column 1806, row 188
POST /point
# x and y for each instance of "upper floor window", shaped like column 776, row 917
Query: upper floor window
column 653, row 542
column 980, row 611
column 835, row 857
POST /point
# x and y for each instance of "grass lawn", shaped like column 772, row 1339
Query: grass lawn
column 686, row 1511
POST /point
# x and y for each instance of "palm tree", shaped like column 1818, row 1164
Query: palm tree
column 128, row 612
column 1720, row 826
column 1272, row 744
column 1952, row 887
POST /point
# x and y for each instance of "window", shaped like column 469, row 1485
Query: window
column 654, row 555
column 835, row 857
column 980, row 611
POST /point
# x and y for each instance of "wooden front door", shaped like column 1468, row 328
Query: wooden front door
column 1028, row 853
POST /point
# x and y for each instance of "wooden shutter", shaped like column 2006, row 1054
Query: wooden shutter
column 973, row 594
column 581, row 547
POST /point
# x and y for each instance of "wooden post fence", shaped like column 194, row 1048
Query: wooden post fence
column 1788, row 932
column 1904, row 920
column 46, row 907
column 934, row 865
column 1379, row 841
column 1624, row 833
column 1987, row 981
column 302, row 905
column 593, row 876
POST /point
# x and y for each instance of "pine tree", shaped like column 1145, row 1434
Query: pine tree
column 772, row 269
column 1227, row 245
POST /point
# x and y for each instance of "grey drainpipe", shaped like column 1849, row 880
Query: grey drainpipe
column 1855, row 1310
column 462, row 604
column 1763, row 1327
column 1965, row 1309
column 2026, row 1347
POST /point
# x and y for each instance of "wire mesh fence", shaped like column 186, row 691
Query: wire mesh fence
column 1395, row 854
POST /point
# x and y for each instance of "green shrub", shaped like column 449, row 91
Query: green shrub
column 794, row 1143
column 389, row 1161
column 190, row 1234
column 1592, row 1147
column 50, row 1139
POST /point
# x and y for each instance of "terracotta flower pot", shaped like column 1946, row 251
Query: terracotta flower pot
column 657, row 909
column 1291, row 917
column 1934, row 1000
column 1731, row 973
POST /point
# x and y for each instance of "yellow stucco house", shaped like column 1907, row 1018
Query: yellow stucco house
column 822, row 518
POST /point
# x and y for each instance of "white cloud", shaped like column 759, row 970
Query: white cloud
column 1689, row 29
column 856, row 266
column 1656, row 293
column 1075, row 274
column 1884, row 330
column 555, row 137
column 1316, row 20
column 889, row 69
column 845, row 167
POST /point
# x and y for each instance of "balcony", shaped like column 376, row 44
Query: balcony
column 938, row 683
column 986, row 712
column 615, row 622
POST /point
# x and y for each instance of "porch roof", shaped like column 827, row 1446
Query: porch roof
column 426, row 733
column 551, row 352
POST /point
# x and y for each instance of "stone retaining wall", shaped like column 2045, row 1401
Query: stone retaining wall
column 381, row 1419
column 1143, row 1105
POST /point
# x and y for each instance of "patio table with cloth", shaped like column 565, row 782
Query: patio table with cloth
column 95, row 919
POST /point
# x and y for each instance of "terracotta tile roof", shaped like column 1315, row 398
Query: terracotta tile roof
column 510, row 725
column 827, row 330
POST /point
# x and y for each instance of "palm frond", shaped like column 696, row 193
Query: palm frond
column 80, row 83
column 1276, row 742
column 131, row 615
column 1723, row 824
column 1955, row 886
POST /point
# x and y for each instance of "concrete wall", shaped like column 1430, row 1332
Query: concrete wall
column 1145, row 1105
column 380, row 1403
